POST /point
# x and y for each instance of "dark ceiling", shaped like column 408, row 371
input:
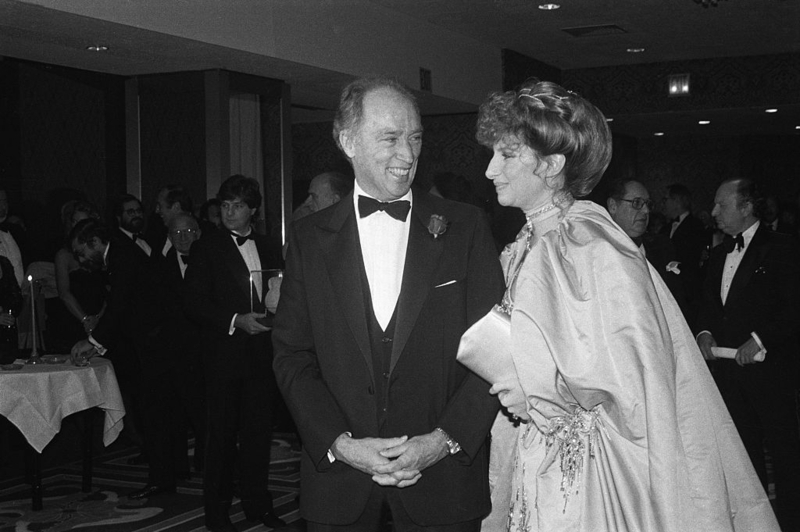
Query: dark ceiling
column 581, row 34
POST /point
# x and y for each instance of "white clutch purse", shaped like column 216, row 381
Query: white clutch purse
column 486, row 348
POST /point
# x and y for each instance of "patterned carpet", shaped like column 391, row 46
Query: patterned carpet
column 106, row 507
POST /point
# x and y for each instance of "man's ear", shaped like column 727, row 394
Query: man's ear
column 611, row 205
column 347, row 142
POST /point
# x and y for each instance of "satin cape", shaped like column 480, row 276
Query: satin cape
column 595, row 329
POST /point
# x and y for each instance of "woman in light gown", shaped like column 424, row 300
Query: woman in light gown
column 611, row 420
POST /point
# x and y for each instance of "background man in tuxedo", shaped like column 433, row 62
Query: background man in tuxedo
column 324, row 190
column 689, row 237
column 372, row 308
column 171, row 371
column 132, row 313
column 624, row 198
column 240, row 385
column 170, row 201
column 130, row 224
column 751, row 300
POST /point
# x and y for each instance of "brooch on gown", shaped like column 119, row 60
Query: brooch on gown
column 570, row 434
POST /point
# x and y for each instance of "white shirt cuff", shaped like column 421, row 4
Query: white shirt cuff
column 758, row 341
column 100, row 349
column 232, row 327
column 332, row 458
column 696, row 338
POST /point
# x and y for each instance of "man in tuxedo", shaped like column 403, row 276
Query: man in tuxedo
column 751, row 303
column 130, row 224
column 132, row 314
column 689, row 237
column 171, row 200
column 629, row 204
column 377, row 293
column 171, row 371
column 324, row 190
column 240, row 384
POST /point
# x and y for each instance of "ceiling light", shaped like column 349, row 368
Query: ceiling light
column 659, row 134
column 704, row 122
column 771, row 111
column 609, row 119
column 97, row 48
column 678, row 85
column 635, row 50
column 549, row 7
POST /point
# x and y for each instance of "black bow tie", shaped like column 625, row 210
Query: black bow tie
column 242, row 239
column 135, row 237
column 396, row 209
column 731, row 242
column 184, row 259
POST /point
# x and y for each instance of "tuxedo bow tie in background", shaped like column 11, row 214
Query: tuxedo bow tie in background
column 732, row 243
column 184, row 258
column 135, row 237
column 240, row 240
column 396, row 209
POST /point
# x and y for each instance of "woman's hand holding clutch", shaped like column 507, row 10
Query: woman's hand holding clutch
column 512, row 398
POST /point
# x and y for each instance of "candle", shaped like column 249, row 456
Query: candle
column 33, row 316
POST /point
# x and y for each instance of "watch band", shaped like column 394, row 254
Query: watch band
column 452, row 446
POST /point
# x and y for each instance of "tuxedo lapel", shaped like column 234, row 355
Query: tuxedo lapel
column 341, row 249
column 752, row 258
column 236, row 264
column 422, row 257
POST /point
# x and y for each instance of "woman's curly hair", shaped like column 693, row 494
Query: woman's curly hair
column 551, row 120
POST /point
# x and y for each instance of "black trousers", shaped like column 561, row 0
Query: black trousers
column 165, row 427
column 239, row 413
column 385, row 506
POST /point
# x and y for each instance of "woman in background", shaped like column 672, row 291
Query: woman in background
column 612, row 421
column 82, row 293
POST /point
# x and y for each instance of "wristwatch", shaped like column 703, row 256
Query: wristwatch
column 452, row 446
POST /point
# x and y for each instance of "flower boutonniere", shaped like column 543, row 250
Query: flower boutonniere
column 437, row 225
column 674, row 267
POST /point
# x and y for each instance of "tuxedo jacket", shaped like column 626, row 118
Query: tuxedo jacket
column 217, row 287
column 660, row 252
column 324, row 364
column 764, row 297
column 179, row 340
column 133, row 313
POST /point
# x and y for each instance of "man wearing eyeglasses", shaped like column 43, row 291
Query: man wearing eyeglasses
column 629, row 204
column 172, row 371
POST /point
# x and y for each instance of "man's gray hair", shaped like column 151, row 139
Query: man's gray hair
column 350, row 112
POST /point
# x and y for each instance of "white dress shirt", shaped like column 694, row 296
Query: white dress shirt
column 733, row 259
column 383, row 248
column 249, row 253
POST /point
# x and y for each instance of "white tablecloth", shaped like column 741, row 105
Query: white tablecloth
column 36, row 398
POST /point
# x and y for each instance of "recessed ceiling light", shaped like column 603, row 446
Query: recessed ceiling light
column 549, row 7
column 771, row 111
column 635, row 50
column 659, row 134
column 704, row 122
column 609, row 119
column 97, row 48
